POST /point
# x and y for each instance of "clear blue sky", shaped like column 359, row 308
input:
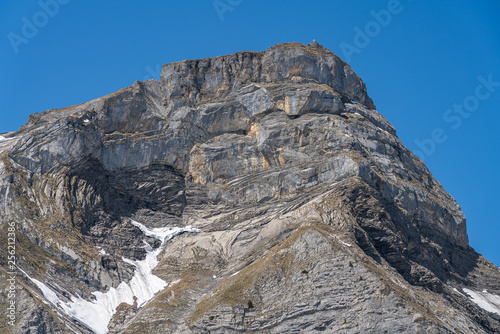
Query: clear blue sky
column 427, row 59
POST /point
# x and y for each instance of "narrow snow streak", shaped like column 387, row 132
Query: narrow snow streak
column 142, row 287
column 2, row 138
column 345, row 243
column 485, row 300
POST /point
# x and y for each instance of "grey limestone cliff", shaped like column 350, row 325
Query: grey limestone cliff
column 254, row 192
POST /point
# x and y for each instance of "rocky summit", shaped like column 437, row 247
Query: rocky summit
column 254, row 192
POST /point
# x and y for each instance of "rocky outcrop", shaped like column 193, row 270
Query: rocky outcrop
column 309, row 212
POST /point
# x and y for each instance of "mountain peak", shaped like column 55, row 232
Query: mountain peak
column 251, row 192
column 292, row 63
column 315, row 44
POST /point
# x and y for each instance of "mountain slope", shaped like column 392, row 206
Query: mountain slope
column 258, row 191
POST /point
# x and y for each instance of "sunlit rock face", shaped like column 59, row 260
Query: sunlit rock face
column 254, row 192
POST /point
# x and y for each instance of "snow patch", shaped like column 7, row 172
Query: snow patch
column 383, row 130
column 86, row 121
column 102, row 251
column 344, row 243
column 485, row 300
column 457, row 291
column 46, row 291
column 141, row 288
column 2, row 138
column 174, row 282
column 166, row 233
column 336, row 237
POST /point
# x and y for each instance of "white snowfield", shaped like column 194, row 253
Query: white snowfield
column 142, row 287
column 485, row 300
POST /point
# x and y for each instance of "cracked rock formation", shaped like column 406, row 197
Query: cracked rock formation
column 254, row 192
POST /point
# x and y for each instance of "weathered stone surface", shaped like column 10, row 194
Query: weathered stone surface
column 313, row 216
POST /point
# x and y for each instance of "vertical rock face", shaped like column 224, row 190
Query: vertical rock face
column 264, row 191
